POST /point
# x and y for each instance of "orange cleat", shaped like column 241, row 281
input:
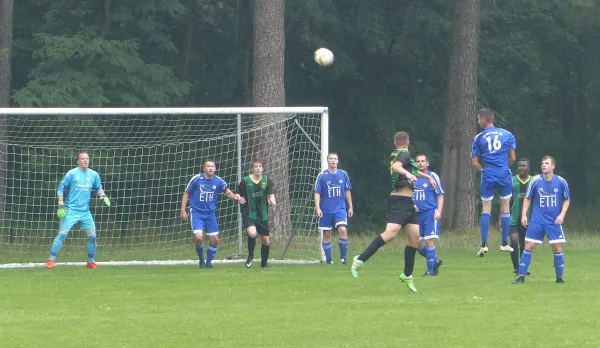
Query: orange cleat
column 91, row 265
column 50, row 264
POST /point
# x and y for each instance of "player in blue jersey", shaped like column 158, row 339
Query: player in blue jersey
column 549, row 197
column 429, row 203
column 203, row 192
column 77, row 185
column 401, row 211
column 333, row 206
column 496, row 147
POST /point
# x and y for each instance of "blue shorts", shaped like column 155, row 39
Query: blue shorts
column 84, row 218
column 429, row 227
column 536, row 232
column 489, row 186
column 204, row 222
column 328, row 221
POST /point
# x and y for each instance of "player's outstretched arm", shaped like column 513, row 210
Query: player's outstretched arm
column 398, row 168
column 236, row 197
column 184, row 199
column 432, row 181
column 348, row 195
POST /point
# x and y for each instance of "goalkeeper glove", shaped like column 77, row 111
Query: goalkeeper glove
column 105, row 199
column 61, row 212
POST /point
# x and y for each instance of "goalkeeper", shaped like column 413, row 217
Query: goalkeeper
column 78, row 183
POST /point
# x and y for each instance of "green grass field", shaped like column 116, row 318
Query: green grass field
column 470, row 304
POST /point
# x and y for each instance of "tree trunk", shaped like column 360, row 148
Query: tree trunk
column 6, row 36
column 269, row 90
column 457, row 173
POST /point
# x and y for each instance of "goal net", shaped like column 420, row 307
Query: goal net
column 145, row 158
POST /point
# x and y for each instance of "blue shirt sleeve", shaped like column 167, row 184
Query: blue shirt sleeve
column 475, row 148
column 318, row 183
column 65, row 184
column 512, row 142
column 348, row 183
column 224, row 188
column 438, row 190
column 531, row 186
column 565, row 189
column 190, row 188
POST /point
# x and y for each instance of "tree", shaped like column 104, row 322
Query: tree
column 6, row 35
column 269, row 90
column 458, row 176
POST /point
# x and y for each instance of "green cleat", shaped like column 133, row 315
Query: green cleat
column 356, row 264
column 410, row 284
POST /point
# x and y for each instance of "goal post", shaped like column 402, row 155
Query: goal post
column 145, row 157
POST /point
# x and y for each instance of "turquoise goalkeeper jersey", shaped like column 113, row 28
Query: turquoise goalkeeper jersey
column 78, row 185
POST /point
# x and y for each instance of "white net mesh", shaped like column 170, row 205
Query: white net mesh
column 145, row 162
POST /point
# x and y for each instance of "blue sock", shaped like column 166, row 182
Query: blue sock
column 210, row 253
column 343, row 244
column 200, row 252
column 327, row 250
column 431, row 259
column 525, row 262
column 559, row 264
column 91, row 247
column 484, row 227
column 422, row 250
column 57, row 244
column 505, row 225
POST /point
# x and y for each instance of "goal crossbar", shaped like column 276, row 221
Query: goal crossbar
column 164, row 111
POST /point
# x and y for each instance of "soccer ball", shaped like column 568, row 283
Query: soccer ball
column 323, row 57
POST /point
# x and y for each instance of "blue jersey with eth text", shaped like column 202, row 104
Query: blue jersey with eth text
column 493, row 145
column 332, row 187
column 547, row 197
column 204, row 193
column 79, row 184
column 424, row 196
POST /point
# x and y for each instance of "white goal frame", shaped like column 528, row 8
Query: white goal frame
column 322, row 148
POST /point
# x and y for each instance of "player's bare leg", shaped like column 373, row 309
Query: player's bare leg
column 391, row 231
column 505, row 223
column 251, row 245
column 343, row 244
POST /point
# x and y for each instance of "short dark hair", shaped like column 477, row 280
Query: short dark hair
column 254, row 161
column 82, row 152
column 486, row 114
column 422, row 155
column 401, row 138
column 552, row 159
column 523, row 159
column 209, row 160
column 332, row 153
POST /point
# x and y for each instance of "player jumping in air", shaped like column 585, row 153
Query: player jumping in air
column 401, row 210
column 203, row 192
column 258, row 192
column 429, row 203
column 78, row 183
column 496, row 147
column 549, row 198
column 517, row 231
column 332, row 194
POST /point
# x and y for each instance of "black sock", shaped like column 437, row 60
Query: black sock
column 514, row 256
column 521, row 244
column 372, row 248
column 264, row 254
column 409, row 260
column 483, row 245
column 251, row 246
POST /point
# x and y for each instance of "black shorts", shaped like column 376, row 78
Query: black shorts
column 520, row 229
column 262, row 227
column 401, row 211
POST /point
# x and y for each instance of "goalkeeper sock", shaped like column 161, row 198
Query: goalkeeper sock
column 327, row 249
column 91, row 247
column 484, row 228
column 343, row 244
column 422, row 250
column 57, row 244
column 251, row 246
column 264, row 254
column 377, row 243
column 210, row 253
column 200, row 252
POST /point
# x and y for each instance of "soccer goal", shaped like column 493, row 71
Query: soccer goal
column 145, row 157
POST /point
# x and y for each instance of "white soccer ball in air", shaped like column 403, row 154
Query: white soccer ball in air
column 323, row 57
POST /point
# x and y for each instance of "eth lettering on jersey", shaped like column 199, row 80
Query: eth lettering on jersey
column 419, row 193
column 207, row 193
column 334, row 190
column 547, row 200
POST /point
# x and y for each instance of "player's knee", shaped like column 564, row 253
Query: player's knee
column 343, row 232
column 266, row 241
column 199, row 236
column 214, row 240
column 251, row 233
column 514, row 238
column 62, row 235
column 557, row 248
column 430, row 243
